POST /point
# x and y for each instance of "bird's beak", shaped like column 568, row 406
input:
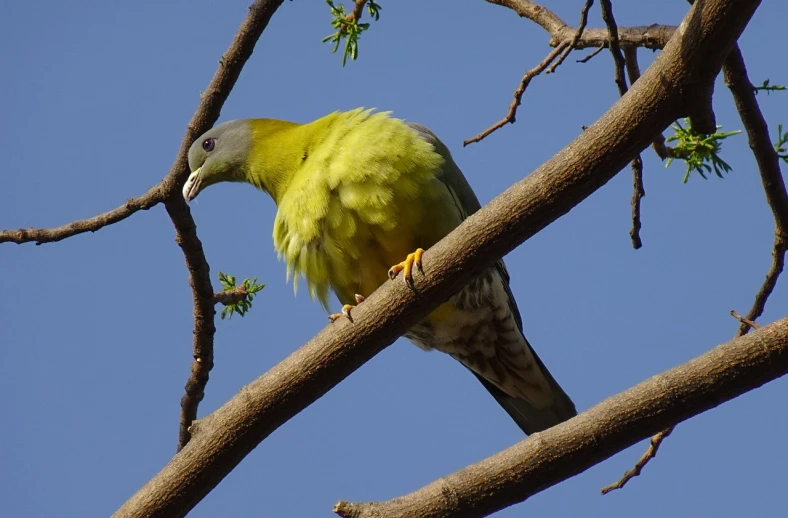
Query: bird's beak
column 192, row 186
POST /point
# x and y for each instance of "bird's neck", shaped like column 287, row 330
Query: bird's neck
column 279, row 149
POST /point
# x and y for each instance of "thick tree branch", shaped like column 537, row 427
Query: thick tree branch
column 567, row 449
column 735, row 73
column 222, row 439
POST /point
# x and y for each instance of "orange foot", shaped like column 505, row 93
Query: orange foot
column 346, row 310
column 407, row 267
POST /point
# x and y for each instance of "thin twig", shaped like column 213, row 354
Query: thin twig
column 614, row 46
column 743, row 320
column 621, row 82
column 591, row 54
column 154, row 196
column 652, row 36
column 633, row 72
column 650, row 453
column 631, row 64
column 769, row 282
column 562, row 50
column 735, row 74
column 638, row 191
column 662, row 150
column 518, row 94
column 575, row 39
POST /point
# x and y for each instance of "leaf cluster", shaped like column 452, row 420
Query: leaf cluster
column 348, row 28
column 251, row 287
column 700, row 151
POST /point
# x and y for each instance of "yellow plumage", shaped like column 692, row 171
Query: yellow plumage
column 357, row 203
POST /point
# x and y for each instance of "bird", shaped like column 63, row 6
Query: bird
column 360, row 195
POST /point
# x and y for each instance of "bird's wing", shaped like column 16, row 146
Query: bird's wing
column 529, row 418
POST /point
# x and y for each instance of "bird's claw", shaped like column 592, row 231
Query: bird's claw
column 406, row 266
column 344, row 313
column 346, row 310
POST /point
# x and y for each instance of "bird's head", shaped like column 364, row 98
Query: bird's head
column 219, row 155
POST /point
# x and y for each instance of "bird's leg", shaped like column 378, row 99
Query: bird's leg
column 346, row 310
column 407, row 267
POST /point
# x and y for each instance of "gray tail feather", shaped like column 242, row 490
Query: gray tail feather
column 528, row 418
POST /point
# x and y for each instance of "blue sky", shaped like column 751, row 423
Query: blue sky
column 96, row 330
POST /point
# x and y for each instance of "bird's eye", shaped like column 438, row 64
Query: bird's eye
column 208, row 144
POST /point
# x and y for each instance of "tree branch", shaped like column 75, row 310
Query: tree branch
column 538, row 14
column 518, row 95
column 591, row 54
column 153, row 197
column 614, row 46
column 579, row 32
column 223, row 81
column 653, row 36
column 735, row 73
column 358, row 10
column 633, row 72
column 547, row 458
column 207, row 113
column 564, row 39
column 619, row 63
column 743, row 320
column 222, row 439
column 650, row 453
column 638, row 191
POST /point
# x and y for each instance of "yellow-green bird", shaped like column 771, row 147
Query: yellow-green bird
column 358, row 192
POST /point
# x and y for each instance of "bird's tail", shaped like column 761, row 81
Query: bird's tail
column 529, row 418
